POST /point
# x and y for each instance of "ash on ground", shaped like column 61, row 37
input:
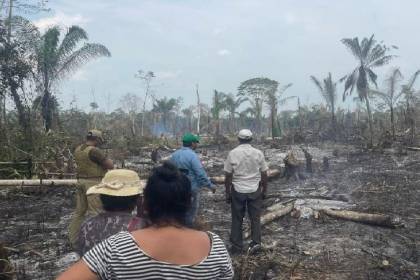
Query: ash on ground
column 34, row 220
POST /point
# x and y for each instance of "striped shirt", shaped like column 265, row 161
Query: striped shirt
column 119, row 257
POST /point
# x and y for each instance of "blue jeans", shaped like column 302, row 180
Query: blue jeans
column 192, row 212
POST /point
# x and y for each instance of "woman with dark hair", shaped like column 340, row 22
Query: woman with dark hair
column 167, row 249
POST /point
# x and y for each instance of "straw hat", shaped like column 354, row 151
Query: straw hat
column 119, row 182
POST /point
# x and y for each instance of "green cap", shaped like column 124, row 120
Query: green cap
column 190, row 138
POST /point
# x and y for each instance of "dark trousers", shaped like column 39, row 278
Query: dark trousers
column 240, row 202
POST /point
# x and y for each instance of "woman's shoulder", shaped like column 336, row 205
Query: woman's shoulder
column 216, row 242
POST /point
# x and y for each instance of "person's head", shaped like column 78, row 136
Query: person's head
column 119, row 190
column 167, row 196
column 245, row 136
column 190, row 140
column 95, row 137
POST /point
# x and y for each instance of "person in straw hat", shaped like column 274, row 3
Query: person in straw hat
column 119, row 191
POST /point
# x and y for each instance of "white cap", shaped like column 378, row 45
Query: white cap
column 245, row 134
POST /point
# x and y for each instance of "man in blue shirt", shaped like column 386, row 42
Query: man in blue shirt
column 188, row 162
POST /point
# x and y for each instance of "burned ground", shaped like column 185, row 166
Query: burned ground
column 34, row 221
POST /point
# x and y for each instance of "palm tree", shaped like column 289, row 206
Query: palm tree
column 390, row 97
column 232, row 105
column 369, row 55
column 273, row 100
column 328, row 90
column 57, row 60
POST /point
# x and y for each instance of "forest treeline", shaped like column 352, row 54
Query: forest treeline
column 33, row 64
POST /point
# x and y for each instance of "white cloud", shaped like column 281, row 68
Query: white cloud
column 60, row 19
column 223, row 52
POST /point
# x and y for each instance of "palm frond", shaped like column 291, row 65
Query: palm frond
column 412, row 80
column 74, row 35
column 382, row 61
column 372, row 77
column 350, row 83
column 362, row 84
column 284, row 88
column 367, row 45
column 354, row 46
column 80, row 57
column 317, row 84
column 283, row 101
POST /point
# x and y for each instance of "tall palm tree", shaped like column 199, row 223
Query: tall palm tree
column 328, row 90
column 390, row 96
column 369, row 55
column 232, row 106
column 57, row 60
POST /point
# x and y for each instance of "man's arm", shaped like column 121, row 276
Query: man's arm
column 100, row 158
column 200, row 173
column 107, row 164
column 263, row 183
column 228, row 186
column 264, row 176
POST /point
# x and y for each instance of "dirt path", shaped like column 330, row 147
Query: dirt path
column 34, row 222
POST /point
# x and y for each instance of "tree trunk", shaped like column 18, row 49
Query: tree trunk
column 199, row 110
column 370, row 121
column 392, row 122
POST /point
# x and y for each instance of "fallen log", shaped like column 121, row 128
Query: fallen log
column 272, row 173
column 38, row 182
column 366, row 218
column 274, row 215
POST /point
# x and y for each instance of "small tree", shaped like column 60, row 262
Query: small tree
column 273, row 100
column 232, row 105
column 147, row 78
column 218, row 106
column 256, row 91
column 328, row 90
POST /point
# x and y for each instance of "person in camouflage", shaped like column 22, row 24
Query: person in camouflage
column 119, row 192
column 92, row 165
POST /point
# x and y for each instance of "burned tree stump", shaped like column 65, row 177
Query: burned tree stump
column 308, row 158
column 291, row 167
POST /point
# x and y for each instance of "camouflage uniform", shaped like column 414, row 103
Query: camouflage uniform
column 90, row 173
column 98, row 228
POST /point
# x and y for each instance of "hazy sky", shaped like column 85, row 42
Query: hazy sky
column 220, row 43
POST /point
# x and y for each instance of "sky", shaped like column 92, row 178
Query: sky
column 217, row 44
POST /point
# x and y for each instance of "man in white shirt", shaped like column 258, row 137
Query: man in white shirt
column 246, row 184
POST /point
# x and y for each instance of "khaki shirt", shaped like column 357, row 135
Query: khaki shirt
column 246, row 163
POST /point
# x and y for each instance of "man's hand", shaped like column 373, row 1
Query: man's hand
column 228, row 197
column 263, row 192
column 213, row 188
